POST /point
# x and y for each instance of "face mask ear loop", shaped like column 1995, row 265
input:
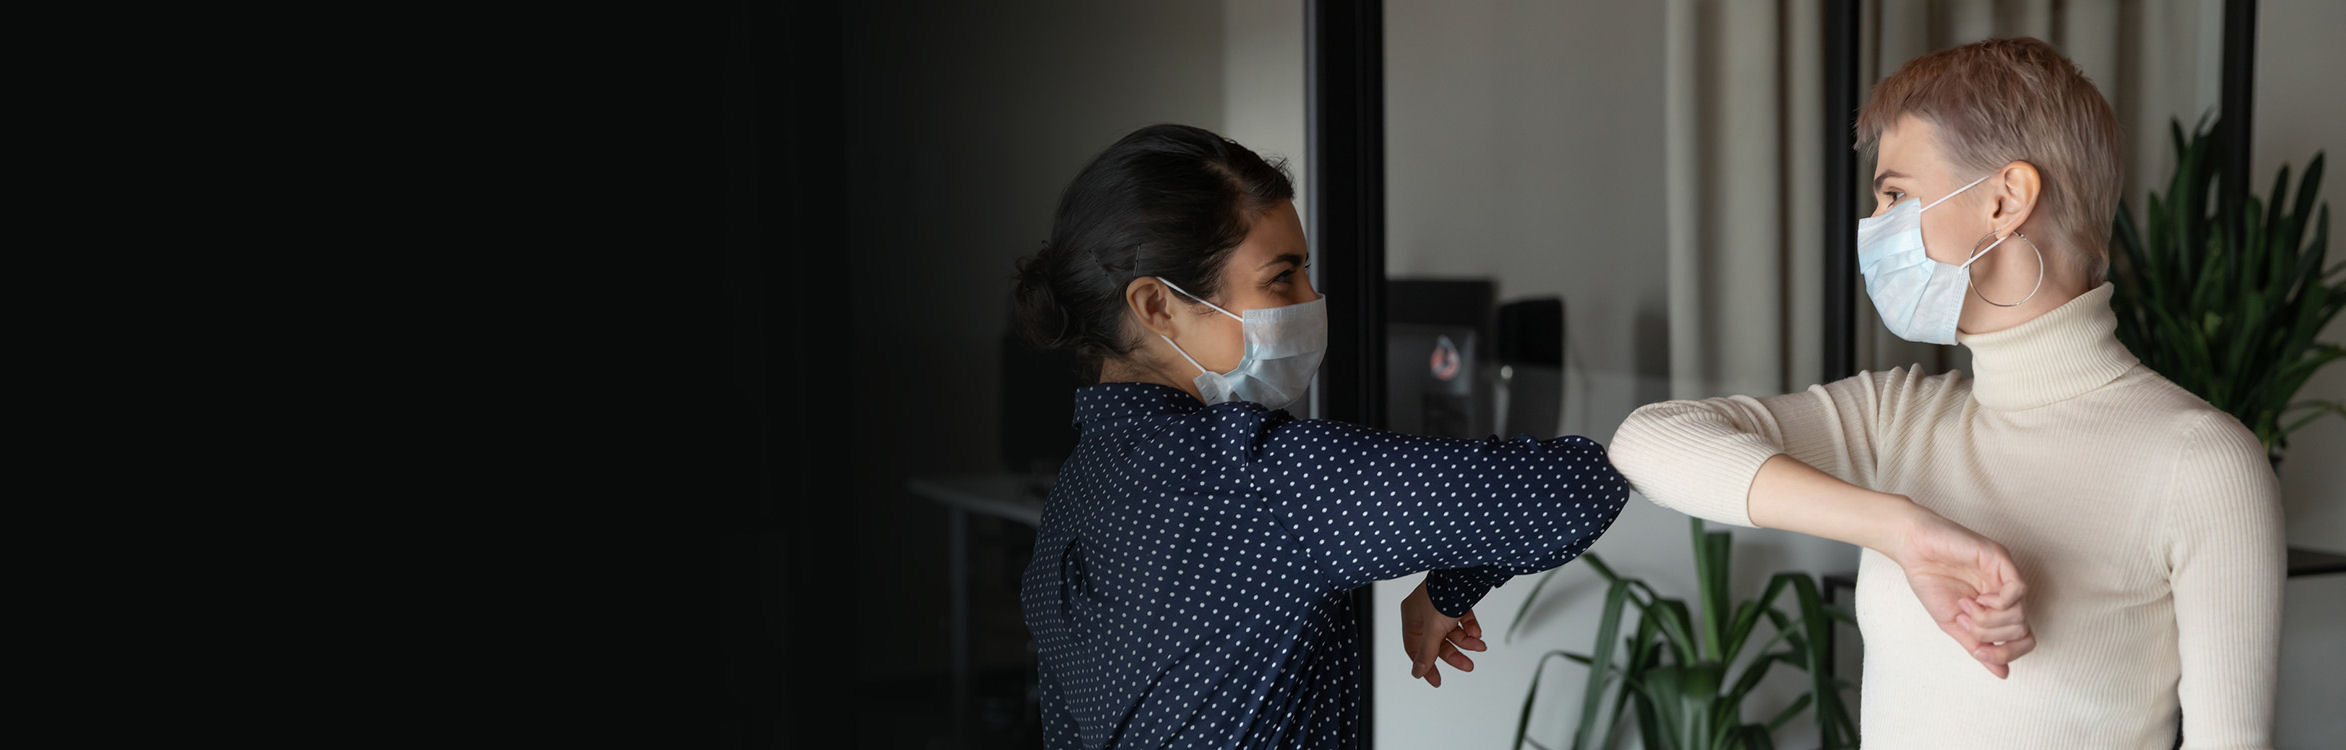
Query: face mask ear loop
column 2040, row 272
column 1185, row 293
column 1177, row 347
column 1943, row 198
column 1184, row 355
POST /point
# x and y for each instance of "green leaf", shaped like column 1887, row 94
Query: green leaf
column 2321, row 409
column 1748, row 617
column 1752, row 674
column 1663, row 687
column 1698, row 694
column 1597, row 563
column 1785, row 716
column 1649, row 724
column 1710, row 575
column 1524, row 610
column 1531, row 696
column 1678, row 625
column 2227, row 300
column 1814, row 623
column 1658, row 674
column 1608, row 629
column 1715, row 607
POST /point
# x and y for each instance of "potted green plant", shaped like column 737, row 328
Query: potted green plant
column 1678, row 671
column 2226, row 303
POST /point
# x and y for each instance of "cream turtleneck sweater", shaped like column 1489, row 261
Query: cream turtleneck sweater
column 2146, row 522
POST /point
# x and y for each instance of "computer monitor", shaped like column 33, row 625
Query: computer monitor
column 1438, row 356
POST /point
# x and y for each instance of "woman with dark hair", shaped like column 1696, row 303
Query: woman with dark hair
column 1190, row 581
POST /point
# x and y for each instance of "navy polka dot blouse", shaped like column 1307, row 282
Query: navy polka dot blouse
column 1189, row 584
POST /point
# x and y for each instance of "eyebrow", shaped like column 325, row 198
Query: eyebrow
column 1884, row 176
column 1288, row 258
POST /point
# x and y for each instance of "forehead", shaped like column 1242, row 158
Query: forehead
column 1278, row 231
column 1910, row 145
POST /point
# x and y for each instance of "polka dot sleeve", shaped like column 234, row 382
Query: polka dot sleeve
column 1368, row 505
column 1191, row 576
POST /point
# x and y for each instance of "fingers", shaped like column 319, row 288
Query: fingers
column 1421, row 659
column 1468, row 639
column 1996, row 621
column 1472, row 626
column 1961, row 635
column 1998, row 657
column 1423, row 665
column 1992, row 625
column 1990, row 633
column 1422, row 647
column 1456, row 659
column 1994, row 637
column 1991, row 617
column 2011, row 593
column 1424, row 650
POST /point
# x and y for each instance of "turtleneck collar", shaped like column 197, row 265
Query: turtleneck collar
column 2059, row 355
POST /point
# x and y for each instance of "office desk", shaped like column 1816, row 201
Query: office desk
column 1017, row 497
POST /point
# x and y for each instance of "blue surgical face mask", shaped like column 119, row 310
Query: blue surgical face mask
column 1283, row 350
column 1920, row 299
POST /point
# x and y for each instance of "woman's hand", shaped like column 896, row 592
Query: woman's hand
column 1966, row 581
column 1427, row 634
column 1970, row 586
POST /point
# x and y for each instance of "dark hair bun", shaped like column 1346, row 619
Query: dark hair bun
column 1041, row 320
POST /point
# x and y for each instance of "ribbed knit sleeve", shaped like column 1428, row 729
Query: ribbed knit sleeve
column 2226, row 564
column 1699, row 457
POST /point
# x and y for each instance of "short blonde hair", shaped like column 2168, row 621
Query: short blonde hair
column 2004, row 100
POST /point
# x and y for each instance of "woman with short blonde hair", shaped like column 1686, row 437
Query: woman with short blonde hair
column 2146, row 522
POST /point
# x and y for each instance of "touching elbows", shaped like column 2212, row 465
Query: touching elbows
column 1682, row 456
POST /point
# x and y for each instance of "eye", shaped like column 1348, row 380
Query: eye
column 1895, row 195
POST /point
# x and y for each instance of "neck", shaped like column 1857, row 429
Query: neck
column 2055, row 356
column 1133, row 370
column 1979, row 316
column 2009, row 277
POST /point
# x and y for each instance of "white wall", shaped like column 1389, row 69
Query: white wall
column 1263, row 86
column 2301, row 108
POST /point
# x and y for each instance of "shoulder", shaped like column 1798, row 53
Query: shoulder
column 2224, row 499
column 2220, row 477
column 2166, row 414
column 2177, row 407
column 2213, row 440
column 1907, row 383
column 1284, row 437
column 1241, row 431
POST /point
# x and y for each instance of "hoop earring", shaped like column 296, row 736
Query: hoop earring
column 2040, row 270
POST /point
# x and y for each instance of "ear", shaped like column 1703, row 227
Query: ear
column 1152, row 304
column 2017, row 187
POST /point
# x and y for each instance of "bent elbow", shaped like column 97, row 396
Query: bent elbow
column 1635, row 452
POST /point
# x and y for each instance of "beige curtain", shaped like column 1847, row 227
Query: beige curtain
column 1743, row 157
column 1742, row 163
